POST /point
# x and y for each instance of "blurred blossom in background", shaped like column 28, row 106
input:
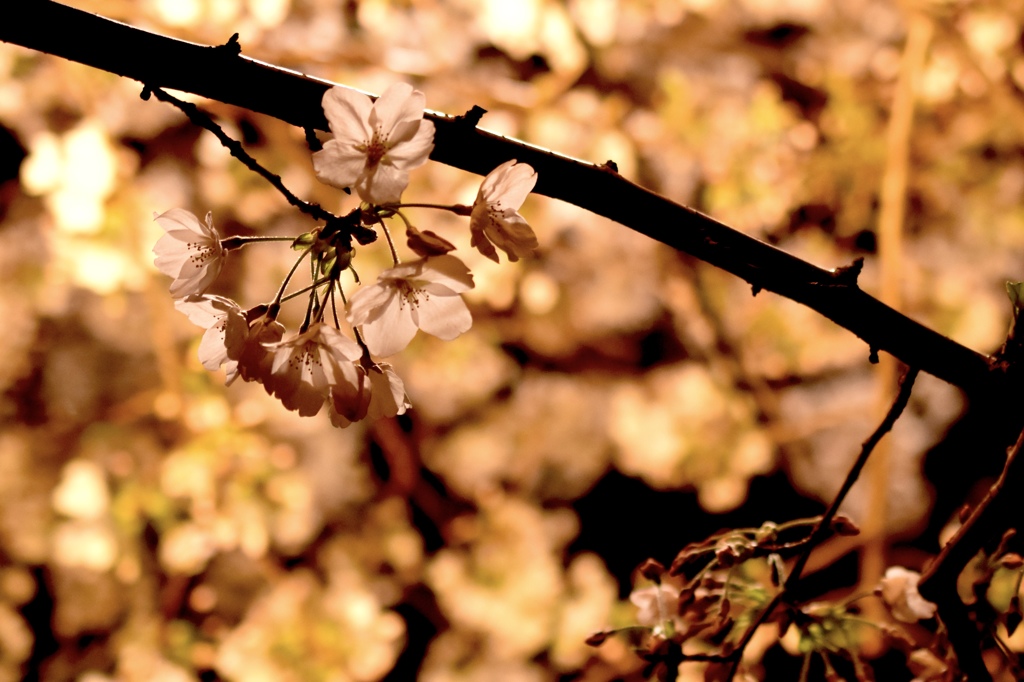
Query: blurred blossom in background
column 614, row 399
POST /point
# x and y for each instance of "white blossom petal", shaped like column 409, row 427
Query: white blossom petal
column 415, row 152
column 382, row 186
column 899, row 591
column 511, row 183
column 226, row 333
column 190, row 252
column 397, row 105
column 309, row 367
column 256, row 361
column 223, row 341
column 420, row 294
column 391, row 328
column 478, row 240
column 376, row 144
column 388, row 397
column 297, row 376
column 446, row 317
column 350, row 396
column 656, row 604
column 339, row 164
column 367, row 304
column 348, row 113
column 495, row 220
column 204, row 310
column 445, row 273
column 339, row 345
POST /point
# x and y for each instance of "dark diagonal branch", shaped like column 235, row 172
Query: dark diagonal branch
column 222, row 74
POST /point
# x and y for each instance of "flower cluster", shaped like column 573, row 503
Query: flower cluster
column 374, row 147
column 898, row 590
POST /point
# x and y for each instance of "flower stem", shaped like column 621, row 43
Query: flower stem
column 232, row 243
column 359, row 337
column 334, row 306
column 408, row 225
column 391, row 242
column 458, row 209
column 303, row 290
column 272, row 313
column 309, row 313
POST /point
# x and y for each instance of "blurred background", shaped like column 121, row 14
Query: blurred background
column 614, row 400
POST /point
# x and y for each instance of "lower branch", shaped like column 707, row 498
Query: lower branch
column 788, row 593
column 990, row 519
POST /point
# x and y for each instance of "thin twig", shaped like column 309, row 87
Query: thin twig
column 823, row 526
column 906, row 386
column 204, row 120
column 821, row 529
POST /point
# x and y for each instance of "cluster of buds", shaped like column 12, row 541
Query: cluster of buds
column 374, row 147
column 717, row 592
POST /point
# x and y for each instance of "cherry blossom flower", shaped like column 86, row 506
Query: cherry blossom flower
column 226, row 330
column 255, row 363
column 375, row 144
column 656, row 604
column 230, row 340
column 381, row 395
column 349, row 401
column 388, row 397
column 495, row 220
column 899, row 591
column 310, row 366
column 190, row 251
column 421, row 294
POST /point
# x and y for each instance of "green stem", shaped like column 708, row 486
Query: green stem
column 272, row 313
column 232, row 243
column 391, row 242
column 303, row 290
column 408, row 225
column 355, row 330
column 805, row 669
column 458, row 209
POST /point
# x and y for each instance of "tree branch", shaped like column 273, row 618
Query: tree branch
column 824, row 526
column 998, row 510
column 220, row 73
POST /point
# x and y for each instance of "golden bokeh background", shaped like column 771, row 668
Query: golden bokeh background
column 614, row 399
